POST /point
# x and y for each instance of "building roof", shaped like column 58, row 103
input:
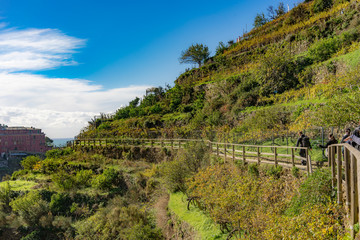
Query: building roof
column 19, row 128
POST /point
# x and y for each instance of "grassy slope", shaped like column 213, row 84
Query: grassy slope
column 206, row 228
column 19, row 185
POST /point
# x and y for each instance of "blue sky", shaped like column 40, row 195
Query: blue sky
column 103, row 53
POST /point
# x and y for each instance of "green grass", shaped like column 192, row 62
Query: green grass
column 176, row 117
column 351, row 59
column 291, row 103
column 20, row 185
column 205, row 227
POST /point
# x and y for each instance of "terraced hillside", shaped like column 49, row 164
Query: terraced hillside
column 298, row 71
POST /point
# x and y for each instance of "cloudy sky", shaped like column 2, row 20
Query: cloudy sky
column 63, row 62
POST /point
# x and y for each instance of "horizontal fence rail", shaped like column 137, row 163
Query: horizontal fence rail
column 277, row 155
column 344, row 161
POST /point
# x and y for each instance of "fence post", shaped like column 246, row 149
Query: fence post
column 172, row 144
column 244, row 159
column 333, row 170
column 179, row 144
column 322, row 140
column 162, row 143
column 339, row 175
column 275, row 156
column 233, row 153
column 293, row 157
column 347, row 177
column 329, row 156
column 152, row 143
column 217, row 149
column 307, row 161
column 258, row 154
column 224, row 152
column 354, row 196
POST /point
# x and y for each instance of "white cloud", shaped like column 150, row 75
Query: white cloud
column 59, row 94
column 60, row 106
column 36, row 49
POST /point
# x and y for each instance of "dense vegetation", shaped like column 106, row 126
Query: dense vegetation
column 296, row 70
column 78, row 195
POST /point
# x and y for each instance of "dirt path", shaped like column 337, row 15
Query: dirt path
column 162, row 216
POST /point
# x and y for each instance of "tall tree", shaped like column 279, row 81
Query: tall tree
column 260, row 20
column 196, row 53
column 271, row 12
column 275, row 13
column 280, row 10
column 220, row 48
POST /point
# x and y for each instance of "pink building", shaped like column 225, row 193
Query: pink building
column 22, row 140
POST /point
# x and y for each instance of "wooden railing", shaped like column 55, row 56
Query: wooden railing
column 277, row 155
column 344, row 158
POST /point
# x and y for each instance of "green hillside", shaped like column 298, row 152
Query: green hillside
column 297, row 72
column 286, row 71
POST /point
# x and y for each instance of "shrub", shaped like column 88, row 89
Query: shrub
column 295, row 172
column 60, row 203
column 51, row 165
column 83, row 178
column 18, row 174
column 321, row 5
column 109, row 179
column 29, row 162
column 316, row 189
column 195, row 156
column 64, row 181
column 189, row 161
column 118, row 222
column 348, row 37
column 30, row 208
column 253, row 169
column 56, row 153
column 176, row 173
column 5, row 197
column 104, row 126
column 277, row 71
column 34, row 235
column 298, row 13
column 324, row 49
column 275, row 171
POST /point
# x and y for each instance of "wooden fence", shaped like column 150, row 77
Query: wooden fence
column 344, row 161
column 277, row 155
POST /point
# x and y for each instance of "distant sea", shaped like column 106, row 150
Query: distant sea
column 61, row 142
